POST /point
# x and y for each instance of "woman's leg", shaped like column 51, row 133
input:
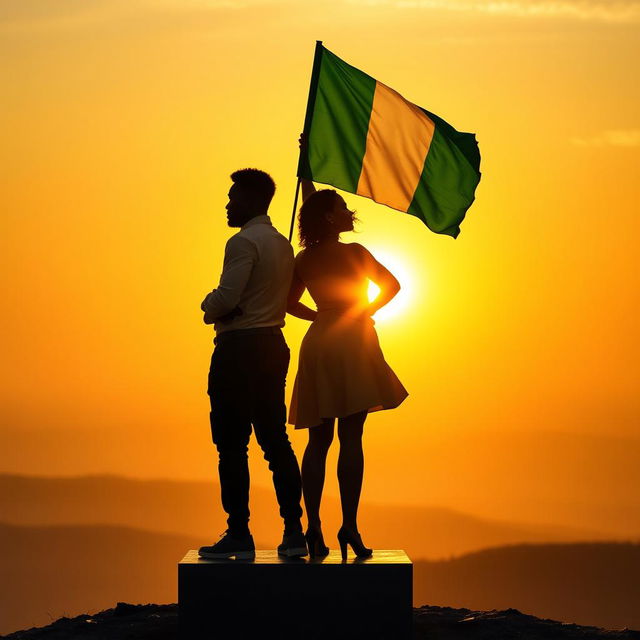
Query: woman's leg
column 350, row 467
column 313, row 468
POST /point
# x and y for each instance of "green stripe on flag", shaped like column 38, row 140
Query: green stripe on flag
column 338, row 131
column 449, row 178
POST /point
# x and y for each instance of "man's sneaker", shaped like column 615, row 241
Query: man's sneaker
column 228, row 546
column 293, row 546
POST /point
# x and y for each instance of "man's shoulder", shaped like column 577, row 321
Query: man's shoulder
column 239, row 241
column 266, row 234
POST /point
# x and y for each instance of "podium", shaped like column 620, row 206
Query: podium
column 301, row 598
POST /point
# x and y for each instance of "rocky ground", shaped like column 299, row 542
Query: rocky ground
column 160, row 622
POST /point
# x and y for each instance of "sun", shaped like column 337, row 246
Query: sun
column 401, row 302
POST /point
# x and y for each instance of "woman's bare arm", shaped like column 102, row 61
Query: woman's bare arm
column 389, row 285
column 307, row 188
column 294, row 306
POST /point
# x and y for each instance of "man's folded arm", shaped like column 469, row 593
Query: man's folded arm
column 239, row 257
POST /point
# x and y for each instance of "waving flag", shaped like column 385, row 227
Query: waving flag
column 365, row 138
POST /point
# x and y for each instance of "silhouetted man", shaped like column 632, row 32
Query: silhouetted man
column 249, row 366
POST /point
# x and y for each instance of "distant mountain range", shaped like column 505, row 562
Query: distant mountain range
column 576, row 479
column 193, row 509
column 49, row 572
column 589, row 583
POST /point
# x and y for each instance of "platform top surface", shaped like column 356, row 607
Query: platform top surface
column 379, row 557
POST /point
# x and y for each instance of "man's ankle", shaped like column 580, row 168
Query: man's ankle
column 239, row 533
column 292, row 527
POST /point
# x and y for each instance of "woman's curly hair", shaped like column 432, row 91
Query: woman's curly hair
column 313, row 223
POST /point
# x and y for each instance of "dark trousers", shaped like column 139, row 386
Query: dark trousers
column 246, row 387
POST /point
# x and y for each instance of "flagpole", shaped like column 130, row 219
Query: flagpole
column 293, row 214
column 313, row 85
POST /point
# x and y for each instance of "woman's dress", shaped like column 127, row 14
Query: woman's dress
column 341, row 368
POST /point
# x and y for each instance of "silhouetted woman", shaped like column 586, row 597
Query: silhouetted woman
column 341, row 371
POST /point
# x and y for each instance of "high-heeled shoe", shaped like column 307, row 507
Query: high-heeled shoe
column 346, row 537
column 315, row 544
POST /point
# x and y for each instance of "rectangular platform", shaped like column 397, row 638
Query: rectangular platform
column 296, row 598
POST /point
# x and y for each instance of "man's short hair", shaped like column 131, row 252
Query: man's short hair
column 259, row 183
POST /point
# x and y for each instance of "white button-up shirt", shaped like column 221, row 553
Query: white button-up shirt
column 256, row 276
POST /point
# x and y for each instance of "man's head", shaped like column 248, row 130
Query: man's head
column 249, row 195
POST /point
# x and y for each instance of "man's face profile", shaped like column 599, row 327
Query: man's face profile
column 239, row 208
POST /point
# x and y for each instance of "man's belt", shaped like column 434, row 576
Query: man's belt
column 240, row 333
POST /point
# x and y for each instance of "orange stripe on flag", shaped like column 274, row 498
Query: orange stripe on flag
column 398, row 141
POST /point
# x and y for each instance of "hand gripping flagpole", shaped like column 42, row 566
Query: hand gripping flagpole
column 303, row 158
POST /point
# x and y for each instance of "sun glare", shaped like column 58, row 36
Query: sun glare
column 401, row 302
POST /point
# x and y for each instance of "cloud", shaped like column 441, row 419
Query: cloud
column 606, row 10
column 44, row 15
column 22, row 16
column 35, row 15
column 612, row 138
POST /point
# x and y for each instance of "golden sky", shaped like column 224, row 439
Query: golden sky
column 122, row 121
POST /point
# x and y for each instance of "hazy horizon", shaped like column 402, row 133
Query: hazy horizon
column 561, row 481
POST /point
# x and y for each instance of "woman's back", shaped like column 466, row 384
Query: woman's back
column 335, row 274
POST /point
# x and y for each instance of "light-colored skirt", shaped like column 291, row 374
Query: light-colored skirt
column 341, row 371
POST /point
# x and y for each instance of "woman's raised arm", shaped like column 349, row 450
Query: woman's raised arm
column 307, row 186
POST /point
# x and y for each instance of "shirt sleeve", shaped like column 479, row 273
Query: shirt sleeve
column 239, row 257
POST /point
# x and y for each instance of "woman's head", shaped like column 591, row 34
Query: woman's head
column 323, row 215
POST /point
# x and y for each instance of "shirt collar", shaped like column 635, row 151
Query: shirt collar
column 263, row 219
